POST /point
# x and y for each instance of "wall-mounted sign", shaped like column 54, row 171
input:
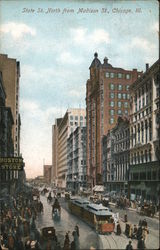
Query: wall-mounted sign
column 11, row 163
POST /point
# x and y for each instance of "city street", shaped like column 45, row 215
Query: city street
column 88, row 237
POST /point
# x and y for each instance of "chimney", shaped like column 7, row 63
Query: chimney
column 147, row 66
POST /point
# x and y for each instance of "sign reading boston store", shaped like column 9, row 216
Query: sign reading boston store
column 11, row 163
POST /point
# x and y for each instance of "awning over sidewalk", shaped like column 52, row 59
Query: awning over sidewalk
column 98, row 188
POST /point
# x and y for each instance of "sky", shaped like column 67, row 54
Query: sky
column 55, row 42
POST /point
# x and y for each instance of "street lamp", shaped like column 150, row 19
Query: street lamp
column 75, row 178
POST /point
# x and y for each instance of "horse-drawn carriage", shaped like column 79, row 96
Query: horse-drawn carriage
column 67, row 196
column 147, row 210
column 56, row 210
column 48, row 238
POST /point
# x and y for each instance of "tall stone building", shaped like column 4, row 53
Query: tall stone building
column 144, row 177
column 6, row 141
column 47, row 170
column 71, row 120
column 116, row 157
column 55, row 150
column 76, row 160
column 6, row 123
column 10, row 69
column 107, row 97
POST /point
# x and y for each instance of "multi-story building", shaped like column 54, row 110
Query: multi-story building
column 10, row 69
column 107, row 98
column 55, row 150
column 47, row 173
column 120, row 155
column 107, row 159
column 76, row 160
column 6, row 141
column 71, row 120
column 116, row 157
column 144, row 174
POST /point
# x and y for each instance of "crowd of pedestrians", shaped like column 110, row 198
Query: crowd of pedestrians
column 139, row 233
column 18, row 226
column 19, row 231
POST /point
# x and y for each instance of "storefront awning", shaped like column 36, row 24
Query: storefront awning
column 98, row 188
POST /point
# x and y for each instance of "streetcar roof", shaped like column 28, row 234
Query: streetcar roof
column 99, row 209
column 81, row 201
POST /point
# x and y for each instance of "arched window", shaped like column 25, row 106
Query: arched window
column 146, row 156
column 135, row 131
column 135, row 160
column 138, row 156
column 150, row 129
column 146, row 128
column 150, row 156
column 142, row 132
column 142, row 156
column 138, row 132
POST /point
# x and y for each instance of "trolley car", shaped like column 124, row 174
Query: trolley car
column 96, row 215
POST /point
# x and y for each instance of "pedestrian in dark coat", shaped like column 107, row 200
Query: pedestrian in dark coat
column 141, row 244
column 139, row 233
column 140, row 223
column 77, row 230
column 66, row 242
column 73, row 245
column 125, row 218
column 144, row 223
column 129, row 246
column 119, row 229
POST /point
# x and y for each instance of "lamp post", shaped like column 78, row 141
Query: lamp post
column 75, row 188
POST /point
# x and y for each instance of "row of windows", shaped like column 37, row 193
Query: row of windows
column 76, row 118
column 118, row 75
column 119, row 104
column 119, row 95
column 113, row 86
column 119, row 112
column 150, row 175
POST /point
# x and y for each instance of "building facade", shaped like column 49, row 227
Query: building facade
column 107, row 97
column 108, row 169
column 116, row 157
column 144, row 174
column 55, row 150
column 47, row 170
column 71, row 120
column 10, row 69
column 76, row 160
column 6, row 141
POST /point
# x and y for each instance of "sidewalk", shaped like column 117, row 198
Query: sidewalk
column 132, row 209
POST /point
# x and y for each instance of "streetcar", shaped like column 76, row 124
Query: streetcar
column 96, row 215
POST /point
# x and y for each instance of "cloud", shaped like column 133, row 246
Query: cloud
column 17, row 30
column 155, row 27
column 142, row 43
column 81, row 36
column 67, row 58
